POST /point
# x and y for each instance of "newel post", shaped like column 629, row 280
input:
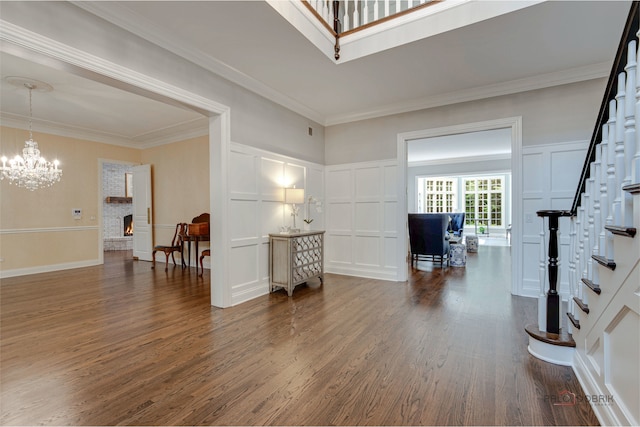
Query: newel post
column 553, row 298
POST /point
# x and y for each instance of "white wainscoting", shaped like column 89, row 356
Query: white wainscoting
column 361, row 205
column 256, row 182
column 550, row 175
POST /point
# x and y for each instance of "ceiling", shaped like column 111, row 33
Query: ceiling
column 471, row 146
column 541, row 45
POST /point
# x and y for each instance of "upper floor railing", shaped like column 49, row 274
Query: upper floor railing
column 342, row 17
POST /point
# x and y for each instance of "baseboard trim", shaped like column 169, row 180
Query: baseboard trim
column 248, row 294
column 555, row 354
column 368, row 274
column 606, row 414
column 4, row 274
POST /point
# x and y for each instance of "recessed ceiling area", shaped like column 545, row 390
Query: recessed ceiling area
column 472, row 146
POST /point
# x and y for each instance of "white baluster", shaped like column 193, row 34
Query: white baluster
column 324, row 12
column 588, row 228
column 409, row 4
column 356, row 13
column 604, row 201
column 386, row 8
column 619, row 160
column 345, row 17
column 629, row 133
column 398, row 6
column 611, row 174
column 577, row 255
column 376, row 10
column 583, row 251
column 636, row 157
column 365, row 12
column 572, row 268
column 595, row 202
column 542, row 296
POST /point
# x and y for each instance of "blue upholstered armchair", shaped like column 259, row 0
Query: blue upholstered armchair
column 456, row 225
column 428, row 237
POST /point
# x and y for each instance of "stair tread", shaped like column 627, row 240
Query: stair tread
column 575, row 322
column 593, row 286
column 604, row 262
column 563, row 339
column 584, row 307
column 632, row 188
column 621, row 230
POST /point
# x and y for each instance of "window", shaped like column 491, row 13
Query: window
column 484, row 201
column 437, row 195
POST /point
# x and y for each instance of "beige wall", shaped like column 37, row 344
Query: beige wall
column 37, row 231
column 36, row 227
column 180, row 179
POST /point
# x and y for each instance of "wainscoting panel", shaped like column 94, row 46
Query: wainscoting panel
column 367, row 251
column 361, row 219
column 256, row 208
column 550, row 177
column 339, row 217
column 368, row 216
column 244, row 222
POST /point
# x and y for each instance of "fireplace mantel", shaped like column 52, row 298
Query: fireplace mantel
column 116, row 199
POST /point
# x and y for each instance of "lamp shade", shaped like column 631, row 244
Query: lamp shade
column 294, row 195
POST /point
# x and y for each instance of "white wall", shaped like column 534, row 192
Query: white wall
column 551, row 174
column 361, row 236
column 256, row 208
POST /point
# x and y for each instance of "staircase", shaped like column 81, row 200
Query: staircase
column 601, row 340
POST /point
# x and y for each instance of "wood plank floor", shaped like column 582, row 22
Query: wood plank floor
column 124, row 344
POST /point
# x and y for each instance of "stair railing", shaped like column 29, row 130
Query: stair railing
column 601, row 206
column 343, row 17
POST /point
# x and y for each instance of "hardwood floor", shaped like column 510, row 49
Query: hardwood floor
column 125, row 344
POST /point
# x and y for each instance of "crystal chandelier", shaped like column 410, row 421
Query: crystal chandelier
column 30, row 170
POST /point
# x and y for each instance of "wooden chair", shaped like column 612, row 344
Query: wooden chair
column 206, row 252
column 177, row 245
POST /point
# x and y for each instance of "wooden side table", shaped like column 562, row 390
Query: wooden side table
column 295, row 258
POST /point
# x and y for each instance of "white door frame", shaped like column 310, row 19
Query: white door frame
column 25, row 43
column 515, row 124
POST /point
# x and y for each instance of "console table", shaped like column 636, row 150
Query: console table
column 295, row 258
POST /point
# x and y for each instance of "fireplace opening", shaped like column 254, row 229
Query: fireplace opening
column 128, row 225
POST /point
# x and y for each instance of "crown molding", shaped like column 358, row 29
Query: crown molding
column 181, row 132
column 574, row 75
column 134, row 23
column 454, row 160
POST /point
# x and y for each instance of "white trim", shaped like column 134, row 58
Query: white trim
column 26, row 39
column 515, row 123
column 456, row 160
column 179, row 132
column 125, row 18
column 48, row 229
column 48, row 268
column 605, row 413
column 542, row 81
column 556, row 354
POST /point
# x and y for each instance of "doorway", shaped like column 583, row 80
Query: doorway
column 513, row 127
column 117, row 207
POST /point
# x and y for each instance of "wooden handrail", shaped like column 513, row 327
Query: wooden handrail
column 628, row 34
